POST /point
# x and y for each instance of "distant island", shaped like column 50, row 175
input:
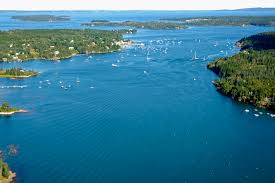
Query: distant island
column 42, row 18
column 155, row 25
column 254, row 9
column 7, row 110
column 227, row 20
column 6, row 175
column 17, row 73
column 250, row 75
column 22, row 45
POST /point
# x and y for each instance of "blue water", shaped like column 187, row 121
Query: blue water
column 155, row 118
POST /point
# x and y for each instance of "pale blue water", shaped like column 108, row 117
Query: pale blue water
column 167, row 124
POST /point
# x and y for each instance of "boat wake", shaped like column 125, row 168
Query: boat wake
column 14, row 86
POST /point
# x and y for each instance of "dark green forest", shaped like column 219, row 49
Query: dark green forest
column 20, row 45
column 156, row 25
column 16, row 72
column 227, row 20
column 250, row 75
column 42, row 18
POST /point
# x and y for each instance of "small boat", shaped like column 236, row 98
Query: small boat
column 114, row 65
column 246, row 110
column 195, row 56
column 77, row 80
column 256, row 115
column 148, row 58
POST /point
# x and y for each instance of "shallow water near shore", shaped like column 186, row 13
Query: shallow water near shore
column 154, row 118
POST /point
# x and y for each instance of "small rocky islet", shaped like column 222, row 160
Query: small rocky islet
column 6, row 175
column 17, row 73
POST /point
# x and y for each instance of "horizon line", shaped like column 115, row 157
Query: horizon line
column 136, row 9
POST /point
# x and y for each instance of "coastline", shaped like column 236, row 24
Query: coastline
column 122, row 43
column 13, row 112
column 10, row 178
column 18, row 77
column 248, row 76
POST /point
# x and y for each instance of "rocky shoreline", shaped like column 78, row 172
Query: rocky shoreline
column 12, row 112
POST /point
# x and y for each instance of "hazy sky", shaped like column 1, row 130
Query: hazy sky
column 132, row 4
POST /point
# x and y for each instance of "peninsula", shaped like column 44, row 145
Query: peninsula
column 22, row 45
column 17, row 73
column 249, row 76
column 6, row 175
column 226, row 20
column 7, row 110
column 155, row 25
column 42, row 18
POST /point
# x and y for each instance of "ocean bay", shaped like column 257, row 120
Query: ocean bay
column 156, row 117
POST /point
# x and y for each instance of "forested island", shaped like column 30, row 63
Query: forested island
column 6, row 175
column 21, row 45
column 250, row 75
column 155, row 25
column 6, row 109
column 227, row 20
column 254, row 9
column 42, row 18
column 17, row 73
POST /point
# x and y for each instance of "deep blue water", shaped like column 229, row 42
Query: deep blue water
column 155, row 118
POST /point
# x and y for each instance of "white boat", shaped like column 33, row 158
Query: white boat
column 246, row 110
column 195, row 56
column 77, row 80
column 114, row 65
column 256, row 115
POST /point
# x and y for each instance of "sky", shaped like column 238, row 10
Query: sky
column 132, row 4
